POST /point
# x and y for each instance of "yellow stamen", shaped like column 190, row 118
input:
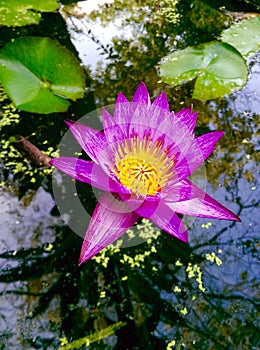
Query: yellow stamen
column 142, row 167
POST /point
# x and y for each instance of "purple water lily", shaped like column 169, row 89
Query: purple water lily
column 142, row 160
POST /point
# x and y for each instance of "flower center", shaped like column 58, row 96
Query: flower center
column 142, row 167
column 138, row 175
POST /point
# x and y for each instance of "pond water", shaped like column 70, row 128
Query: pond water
column 156, row 292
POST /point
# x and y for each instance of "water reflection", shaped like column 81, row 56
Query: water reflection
column 204, row 295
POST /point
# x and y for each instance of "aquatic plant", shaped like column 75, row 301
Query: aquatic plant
column 142, row 161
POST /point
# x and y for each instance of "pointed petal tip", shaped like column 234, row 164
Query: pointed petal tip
column 187, row 117
column 70, row 122
column 182, row 236
column 141, row 84
column 107, row 117
column 87, row 253
column 82, row 260
column 121, row 98
column 161, row 101
column 141, row 94
column 228, row 216
column 214, row 136
column 221, row 133
column 236, row 218
column 190, row 108
column 185, row 237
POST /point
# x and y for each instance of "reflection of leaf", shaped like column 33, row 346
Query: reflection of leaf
column 203, row 16
column 22, row 12
column 244, row 36
column 39, row 74
column 218, row 67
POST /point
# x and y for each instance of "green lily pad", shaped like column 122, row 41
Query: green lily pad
column 39, row 75
column 244, row 36
column 218, row 67
column 15, row 13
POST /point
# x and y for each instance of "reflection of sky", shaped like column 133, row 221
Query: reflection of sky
column 246, row 100
column 24, row 225
column 89, row 51
column 249, row 98
column 89, row 5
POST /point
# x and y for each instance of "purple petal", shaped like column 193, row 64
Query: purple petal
column 207, row 142
column 181, row 191
column 141, row 95
column 123, row 110
column 90, row 140
column 113, row 131
column 121, row 98
column 159, row 125
column 188, row 118
column 200, row 204
column 110, row 220
column 199, row 150
column 139, row 125
column 168, row 220
column 176, row 135
column 161, row 101
column 106, row 158
column 158, row 116
column 85, row 171
column 144, row 207
column 107, row 119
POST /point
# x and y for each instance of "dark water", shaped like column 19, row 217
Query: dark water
column 162, row 294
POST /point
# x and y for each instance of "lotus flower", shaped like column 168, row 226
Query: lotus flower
column 142, row 160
